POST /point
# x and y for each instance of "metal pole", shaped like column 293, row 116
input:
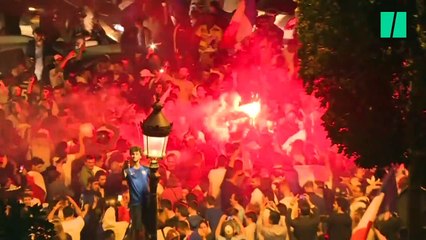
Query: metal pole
column 153, row 183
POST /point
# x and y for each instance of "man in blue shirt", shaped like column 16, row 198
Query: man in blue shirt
column 137, row 177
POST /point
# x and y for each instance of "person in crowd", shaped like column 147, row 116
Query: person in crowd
column 92, row 106
column 339, row 223
column 373, row 233
column 63, row 160
column 184, row 230
column 141, row 89
column 171, row 218
column 114, row 182
column 212, row 213
column 136, row 39
column 123, row 209
column 318, row 201
column 236, row 203
column 99, row 164
column 110, row 223
column 194, row 218
column 204, row 231
column 304, row 218
column 230, row 187
column 87, row 170
column 56, row 73
column 55, row 186
column 273, row 229
column 389, row 224
column 101, row 177
column 222, row 18
column 185, row 85
column 210, row 36
column 92, row 197
column 181, row 211
column 229, row 227
column 138, row 179
column 251, row 228
column 35, row 180
column 72, row 225
column 217, row 175
column 59, row 230
column 38, row 50
column 285, row 193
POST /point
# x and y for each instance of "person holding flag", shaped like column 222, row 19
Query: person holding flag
column 365, row 229
column 241, row 25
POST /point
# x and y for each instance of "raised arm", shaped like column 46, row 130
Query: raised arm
column 234, row 157
column 78, row 209
column 64, row 62
column 52, row 213
column 165, row 96
column 82, row 147
column 219, row 225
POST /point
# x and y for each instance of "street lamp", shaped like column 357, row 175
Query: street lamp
column 156, row 129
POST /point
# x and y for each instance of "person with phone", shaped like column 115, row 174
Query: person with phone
column 304, row 217
column 204, row 230
column 229, row 227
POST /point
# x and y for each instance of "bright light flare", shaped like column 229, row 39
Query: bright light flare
column 161, row 70
column 32, row 9
column 251, row 109
column 153, row 46
column 118, row 27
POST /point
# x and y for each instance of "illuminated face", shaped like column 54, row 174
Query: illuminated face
column 38, row 37
column 159, row 89
column 27, row 201
column 136, row 156
column 126, row 197
column 46, row 94
column 38, row 168
column 204, row 228
column 102, row 180
column 90, row 163
column 95, row 186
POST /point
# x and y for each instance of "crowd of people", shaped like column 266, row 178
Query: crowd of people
column 67, row 123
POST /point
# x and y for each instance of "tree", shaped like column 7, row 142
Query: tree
column 373, row 89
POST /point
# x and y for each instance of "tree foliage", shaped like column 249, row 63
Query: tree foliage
column 373, row 89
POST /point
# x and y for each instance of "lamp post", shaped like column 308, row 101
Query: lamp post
column 156, row 129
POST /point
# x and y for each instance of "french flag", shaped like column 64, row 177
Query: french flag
column 385, row 197
column 241, row 24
